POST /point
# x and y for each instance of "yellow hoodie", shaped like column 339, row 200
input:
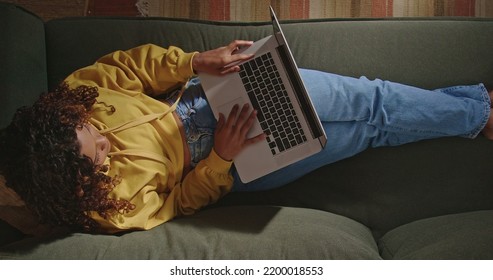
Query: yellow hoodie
column 149, row 156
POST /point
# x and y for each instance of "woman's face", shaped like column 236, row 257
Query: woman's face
column 93, row 144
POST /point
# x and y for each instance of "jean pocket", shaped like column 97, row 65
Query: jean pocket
column 200, row 142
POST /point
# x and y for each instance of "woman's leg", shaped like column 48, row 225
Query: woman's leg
column 407, row 111
column 359, row 113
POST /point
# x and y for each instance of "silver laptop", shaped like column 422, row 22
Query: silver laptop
column 271, row 83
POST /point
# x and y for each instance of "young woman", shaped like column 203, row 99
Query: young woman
column 108, row 151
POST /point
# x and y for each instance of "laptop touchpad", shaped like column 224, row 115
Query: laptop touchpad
column 226, row 108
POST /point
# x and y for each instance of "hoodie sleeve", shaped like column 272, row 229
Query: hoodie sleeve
column 148, row 69
column 204, row 185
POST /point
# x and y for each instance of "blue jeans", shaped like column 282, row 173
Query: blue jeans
column 356, row 114
column 198, row 121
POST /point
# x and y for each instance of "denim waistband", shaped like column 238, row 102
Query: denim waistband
column 198, row 121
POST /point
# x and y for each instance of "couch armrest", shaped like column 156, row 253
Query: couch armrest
column 23, row 74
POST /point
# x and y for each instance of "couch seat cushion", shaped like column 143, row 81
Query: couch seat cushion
column 459, row 236
column 239, row 232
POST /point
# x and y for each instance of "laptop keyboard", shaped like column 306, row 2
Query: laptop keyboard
column 270, row 98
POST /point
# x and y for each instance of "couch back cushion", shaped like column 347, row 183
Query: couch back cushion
column 428, row 53
column 23, row 67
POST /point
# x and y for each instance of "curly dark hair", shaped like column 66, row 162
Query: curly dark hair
column 41, row 161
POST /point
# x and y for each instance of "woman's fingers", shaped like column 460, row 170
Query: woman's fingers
column 238, row 44
column 222, row 60
column 244, row 121
column 231, row 135
column 231, row 121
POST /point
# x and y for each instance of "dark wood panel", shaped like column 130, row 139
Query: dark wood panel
column 51, row 9
column 112, row 8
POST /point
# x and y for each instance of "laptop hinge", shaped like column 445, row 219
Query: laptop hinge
column 303, row 99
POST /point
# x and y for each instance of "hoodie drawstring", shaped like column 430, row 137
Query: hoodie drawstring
column 142, row 153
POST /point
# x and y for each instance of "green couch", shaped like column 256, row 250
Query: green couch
column 427, row 200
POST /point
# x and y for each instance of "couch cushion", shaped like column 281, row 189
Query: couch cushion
column 360, row 47
column 247, row 232
column 460, row 236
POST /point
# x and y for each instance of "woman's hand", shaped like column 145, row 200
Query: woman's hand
column 216, row 61
column 231, row 135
